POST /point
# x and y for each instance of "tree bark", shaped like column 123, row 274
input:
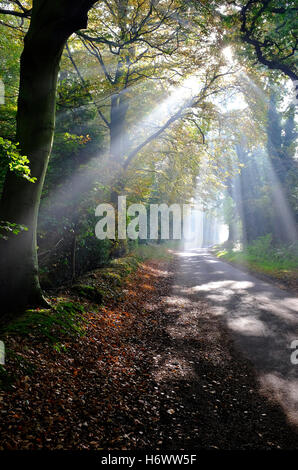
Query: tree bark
column 52, row 22
column 118, row 143
column 119, row 108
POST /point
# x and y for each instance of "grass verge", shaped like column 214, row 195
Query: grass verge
column 277, row 262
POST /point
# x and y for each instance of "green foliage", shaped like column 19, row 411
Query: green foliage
column 262, row 246
column 271, row 29
column 66, row 143
column 89, row 292
column 12, row 160
column 106, row 283
column 261, row 255
column 126, row 265
column 65, row 320
column 71, row 93
column 155, row 251
column 7, row 228
column 70, row 193
column 11, row 45
column 112, row 277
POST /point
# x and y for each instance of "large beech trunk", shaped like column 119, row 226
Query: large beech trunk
column 52, row 22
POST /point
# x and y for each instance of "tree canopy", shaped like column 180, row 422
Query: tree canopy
column 164, row 101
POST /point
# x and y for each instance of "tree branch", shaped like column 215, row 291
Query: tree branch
column 85, row 85
column 19, row 14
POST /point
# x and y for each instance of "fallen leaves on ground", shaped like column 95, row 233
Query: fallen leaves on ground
column 151, row 371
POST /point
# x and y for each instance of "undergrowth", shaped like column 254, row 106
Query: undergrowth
column 68, row 318
column 54, row 326
column 64, row 320
column 263, row 256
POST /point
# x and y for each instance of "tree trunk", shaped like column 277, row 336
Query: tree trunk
column 117, row 128
column 232, row 233
column 52, row 22
column 73, row 257
column 118, row 142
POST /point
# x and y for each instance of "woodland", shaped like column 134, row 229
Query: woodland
column 164, row 102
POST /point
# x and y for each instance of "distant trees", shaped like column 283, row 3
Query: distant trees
column 264, row 34
column 264, row 194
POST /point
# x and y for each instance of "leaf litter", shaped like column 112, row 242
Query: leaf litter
column 150, row 371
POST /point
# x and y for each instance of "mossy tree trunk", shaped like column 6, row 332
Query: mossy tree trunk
column 52, row 22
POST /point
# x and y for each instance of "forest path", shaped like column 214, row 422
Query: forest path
column 261, row 318
column 159, row 367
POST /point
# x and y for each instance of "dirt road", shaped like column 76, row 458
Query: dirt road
column 262, row 319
